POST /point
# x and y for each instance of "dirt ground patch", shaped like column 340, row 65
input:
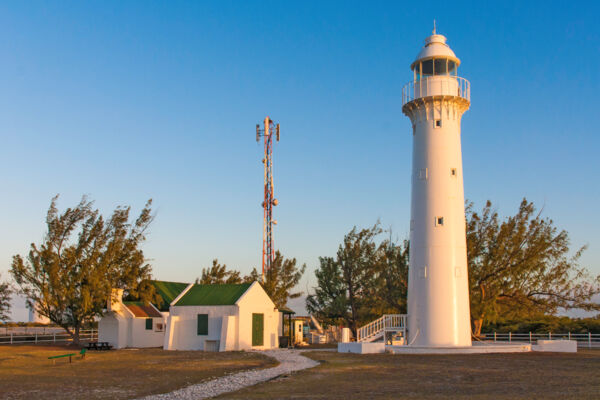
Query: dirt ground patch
column 484, row 376
column 26, row 372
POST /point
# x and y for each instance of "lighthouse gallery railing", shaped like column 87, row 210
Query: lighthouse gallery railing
column 434, row 85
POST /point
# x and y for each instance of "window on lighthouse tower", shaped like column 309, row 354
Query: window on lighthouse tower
column 427, row 68
column 435, row 66
column 452, row 68
column 441, row 66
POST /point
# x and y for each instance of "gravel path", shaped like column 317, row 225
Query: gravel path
column 289, row 361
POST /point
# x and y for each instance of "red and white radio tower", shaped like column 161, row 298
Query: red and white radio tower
column 270, row 129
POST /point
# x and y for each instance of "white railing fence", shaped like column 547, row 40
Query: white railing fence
column 382, row 324
column 450, row 85
column 56, row 337
column 584, row 340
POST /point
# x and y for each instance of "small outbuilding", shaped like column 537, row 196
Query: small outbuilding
column 131, row 324
column 136, row 324
column 223, row 318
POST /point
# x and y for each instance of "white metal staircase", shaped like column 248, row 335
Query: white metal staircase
column 377, row 329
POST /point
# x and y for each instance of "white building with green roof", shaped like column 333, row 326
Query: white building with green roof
column 131, row 323
column 194, row 317
column 135, row 324
column 222, row 318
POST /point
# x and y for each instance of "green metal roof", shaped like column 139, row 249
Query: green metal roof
column 168, row 291
column 285, row 310
column 213, row 295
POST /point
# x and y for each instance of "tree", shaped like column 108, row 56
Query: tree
column 218, row 274
column 5, row 297
column 69, row 277
column 280, row 279
column 348, row 280
column 389, row 283
column 329, row 301
column 521, row 268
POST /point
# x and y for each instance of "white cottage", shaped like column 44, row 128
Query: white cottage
column 222, row 318
column 135, row 324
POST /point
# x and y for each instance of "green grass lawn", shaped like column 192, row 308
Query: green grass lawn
column 26, row 372
column 484, row 376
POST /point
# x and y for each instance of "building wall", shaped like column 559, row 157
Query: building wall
column 228, row 333
column 256, row 300
column 438, row 293
column 141, row 337
column 121, row 329
column 184, row 325
column 113, row 328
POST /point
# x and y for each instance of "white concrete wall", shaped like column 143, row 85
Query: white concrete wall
column 256, row 300
column 228, row 333
column 559, row 346
column 113, row 328
column 361, row 347
column 141, row 337
column 170, row 330
column 184, row 323
column 121, row 329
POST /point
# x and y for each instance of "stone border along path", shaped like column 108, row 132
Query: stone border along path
column 289, row 361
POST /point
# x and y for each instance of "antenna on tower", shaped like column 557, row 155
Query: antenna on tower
column 270, row 129
column 434, row 27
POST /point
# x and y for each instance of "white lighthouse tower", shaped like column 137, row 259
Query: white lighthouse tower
column 438, row 293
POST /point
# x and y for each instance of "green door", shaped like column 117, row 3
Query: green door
column 257, row 329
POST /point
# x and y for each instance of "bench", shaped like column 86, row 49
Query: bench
column 70, row 355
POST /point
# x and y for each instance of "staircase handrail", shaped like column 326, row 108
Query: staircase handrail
column 380, row 324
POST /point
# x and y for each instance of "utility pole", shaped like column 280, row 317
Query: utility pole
column 269, row 130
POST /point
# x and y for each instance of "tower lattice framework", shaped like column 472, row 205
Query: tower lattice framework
column 268, row 132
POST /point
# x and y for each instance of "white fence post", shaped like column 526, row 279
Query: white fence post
column 569, row 335
column 589, row 340
column 549, row 335
column 36, row 337
column 529, row 337
column 509, row 337
column 54, row 337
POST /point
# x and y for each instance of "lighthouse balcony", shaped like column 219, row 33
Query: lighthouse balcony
column 438, row 85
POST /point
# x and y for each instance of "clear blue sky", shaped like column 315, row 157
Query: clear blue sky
column 126, row 101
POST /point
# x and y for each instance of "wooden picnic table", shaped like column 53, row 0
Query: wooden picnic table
column 99, row 346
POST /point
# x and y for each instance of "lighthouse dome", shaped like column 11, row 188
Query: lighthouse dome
column 435, row 48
